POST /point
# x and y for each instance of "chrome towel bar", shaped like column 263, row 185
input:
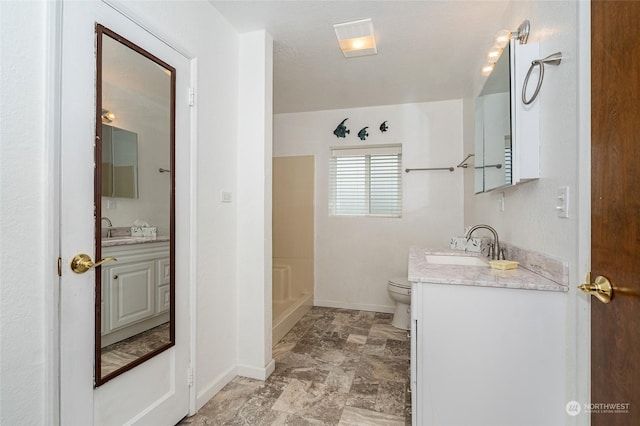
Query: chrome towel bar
column 429, row 168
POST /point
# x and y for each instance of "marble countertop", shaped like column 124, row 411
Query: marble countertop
column 421, row 271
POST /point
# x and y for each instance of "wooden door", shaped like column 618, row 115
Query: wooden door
column 615, row 215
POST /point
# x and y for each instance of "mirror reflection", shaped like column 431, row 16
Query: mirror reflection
column 134, row 134
column 119, row 162
column 493, row 128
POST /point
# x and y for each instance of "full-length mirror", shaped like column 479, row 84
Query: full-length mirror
column 134, row 199
column 493, row 128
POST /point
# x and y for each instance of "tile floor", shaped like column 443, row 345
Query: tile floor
column 335, row 367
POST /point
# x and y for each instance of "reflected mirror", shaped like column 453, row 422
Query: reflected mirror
column 134, row 200
column 493, row 128
column 119, row 162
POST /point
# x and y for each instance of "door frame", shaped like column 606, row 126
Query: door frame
column 52, row 133
column 581, row 338
column 53, row 152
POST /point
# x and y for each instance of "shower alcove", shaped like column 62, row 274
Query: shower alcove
column 293, row 241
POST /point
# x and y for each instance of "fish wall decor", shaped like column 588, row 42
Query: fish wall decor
column 341, row 131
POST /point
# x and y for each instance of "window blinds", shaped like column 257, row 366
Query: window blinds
column 366, row 181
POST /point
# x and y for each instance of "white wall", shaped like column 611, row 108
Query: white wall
column 201, row 30
column 27, row 180
column 25, row 268
column 356, row 256
column 254, row 205
column 530, row 219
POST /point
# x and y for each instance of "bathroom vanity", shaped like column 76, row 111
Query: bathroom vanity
column 487, row 346
column 135, row 288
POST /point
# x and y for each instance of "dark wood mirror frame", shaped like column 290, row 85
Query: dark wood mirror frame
column 98, row 378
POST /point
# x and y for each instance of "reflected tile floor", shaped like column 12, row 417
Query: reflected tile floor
column 335, row 367
column 126, row 351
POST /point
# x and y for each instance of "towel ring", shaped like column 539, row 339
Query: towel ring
column 553, row 59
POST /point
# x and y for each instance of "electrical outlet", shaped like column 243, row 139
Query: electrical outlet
column 501, row 201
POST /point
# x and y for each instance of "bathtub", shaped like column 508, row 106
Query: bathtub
column 292, row 293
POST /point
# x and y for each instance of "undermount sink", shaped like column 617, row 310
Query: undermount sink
column 445, row 259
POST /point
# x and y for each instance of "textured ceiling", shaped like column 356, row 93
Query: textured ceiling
column 427, row 50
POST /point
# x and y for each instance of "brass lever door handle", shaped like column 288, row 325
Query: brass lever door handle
column 81, row 263
column 601, row 288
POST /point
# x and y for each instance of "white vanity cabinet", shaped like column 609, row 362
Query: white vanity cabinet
column 135, row 290
column 487, row 356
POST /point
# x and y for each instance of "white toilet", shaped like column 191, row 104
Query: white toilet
column 400, row 291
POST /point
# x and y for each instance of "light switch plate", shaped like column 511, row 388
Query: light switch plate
column 562, row 202
column 225, row 197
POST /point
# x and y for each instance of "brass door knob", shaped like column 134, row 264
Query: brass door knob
column 601, row 288
column 81, row 263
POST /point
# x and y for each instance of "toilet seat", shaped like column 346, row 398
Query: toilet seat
column 400, row 292
column 402, row 283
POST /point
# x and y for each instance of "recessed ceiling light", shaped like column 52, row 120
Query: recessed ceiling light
column 356, row 38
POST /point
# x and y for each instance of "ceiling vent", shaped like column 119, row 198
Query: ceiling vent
column 356, row 38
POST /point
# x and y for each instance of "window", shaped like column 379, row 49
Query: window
column 366, row 181
column 508, row 166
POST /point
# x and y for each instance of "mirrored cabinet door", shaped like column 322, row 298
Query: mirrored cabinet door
column 506, row 131
column 493, row 128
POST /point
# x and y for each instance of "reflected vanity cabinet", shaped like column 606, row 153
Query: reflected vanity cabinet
column 135, row 290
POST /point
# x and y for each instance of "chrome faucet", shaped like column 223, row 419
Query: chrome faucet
column 494, row 249
column 109, row 226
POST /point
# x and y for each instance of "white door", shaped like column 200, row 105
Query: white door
column 155, row 392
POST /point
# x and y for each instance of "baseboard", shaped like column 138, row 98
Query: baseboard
column 356, row 306
column 210, row 390
column 256, row 372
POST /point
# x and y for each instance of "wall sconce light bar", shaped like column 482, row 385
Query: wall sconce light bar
column 522, row 34
column 501, row 39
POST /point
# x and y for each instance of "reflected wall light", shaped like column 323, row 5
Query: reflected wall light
column 493, row 55
column 107, row 116
column 486, row 70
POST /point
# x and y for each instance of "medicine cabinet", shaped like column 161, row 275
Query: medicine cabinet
column 506, row 130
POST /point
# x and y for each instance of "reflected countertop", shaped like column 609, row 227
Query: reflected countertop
column 129, row 240
column 421, row 271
